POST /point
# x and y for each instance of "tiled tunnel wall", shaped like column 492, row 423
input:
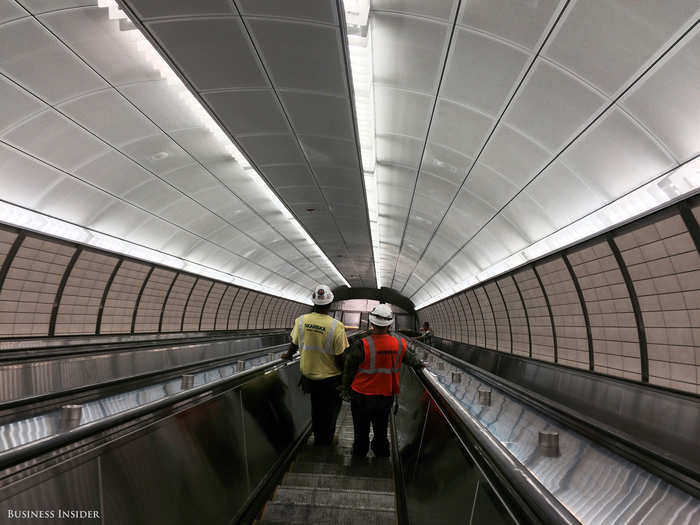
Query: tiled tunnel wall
column 625, row 304
column 49, row 287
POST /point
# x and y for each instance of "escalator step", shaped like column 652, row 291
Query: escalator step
column 320, row 452
column 323, row 497
column 374, row 468
column 297, row 479
column 302, row 514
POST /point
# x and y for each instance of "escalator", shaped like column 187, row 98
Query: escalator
column 234, row 447
column 328, row 485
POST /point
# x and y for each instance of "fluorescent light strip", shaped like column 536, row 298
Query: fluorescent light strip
column 153, row 57
column 673, row 186
column 373, row 209
column 360, row 49
column 38, row 222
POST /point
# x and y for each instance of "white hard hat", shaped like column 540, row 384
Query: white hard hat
column 381, row 315
column 322, row 295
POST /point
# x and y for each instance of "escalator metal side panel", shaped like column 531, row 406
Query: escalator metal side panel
column 664, row 422
column 442, row 482
column 48, row 376
column 199, row 464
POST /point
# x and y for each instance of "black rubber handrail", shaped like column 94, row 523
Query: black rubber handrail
column 125, row 380
column 9, row 357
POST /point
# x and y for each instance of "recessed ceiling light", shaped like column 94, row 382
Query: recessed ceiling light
column 160, row 155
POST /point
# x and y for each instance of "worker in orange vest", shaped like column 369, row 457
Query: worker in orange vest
column 371, row 381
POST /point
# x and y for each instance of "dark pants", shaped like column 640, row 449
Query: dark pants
column 325, row 406
column 372, row 410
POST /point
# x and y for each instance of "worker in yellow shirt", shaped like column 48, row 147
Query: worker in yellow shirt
column 321, row 339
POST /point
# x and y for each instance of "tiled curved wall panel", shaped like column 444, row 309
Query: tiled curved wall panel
column 616, row 349
column 222, row 315
column 32, row 280
column 120, row 304
column 153, row 298
column 519, row 325
column 500, row 315
column 625, row 303
column 446, row 318
column 567, row 313
column 664, row 267
column 214, row 298
column 236, row 309
column 479, row 325
column 459, row 320
column 195, row 305
column 50, row 287
column 177, row 299
column 537, row 314
column 489, row 320
column 269, row 319
column 469, row 318
column 246, row 308
column 83, row 292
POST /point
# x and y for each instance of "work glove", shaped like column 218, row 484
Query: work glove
column 420, row 365
column 288, row 356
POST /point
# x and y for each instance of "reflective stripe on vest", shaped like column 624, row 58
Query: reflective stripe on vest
column 326, row 348
column 373, row 359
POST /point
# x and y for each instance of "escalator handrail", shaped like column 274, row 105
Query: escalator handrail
column 49, row 396
column 545, row 506
column 36, row 448
column 15, row 356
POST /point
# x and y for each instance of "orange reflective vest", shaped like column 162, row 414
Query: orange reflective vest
column 378, row 374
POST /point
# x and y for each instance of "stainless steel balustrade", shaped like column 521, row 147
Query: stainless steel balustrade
column 194, row 456
column 645, row 419
column 588, row 481
column 29, row 379
column 162, row 454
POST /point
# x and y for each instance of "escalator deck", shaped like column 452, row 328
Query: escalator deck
column 326, row 485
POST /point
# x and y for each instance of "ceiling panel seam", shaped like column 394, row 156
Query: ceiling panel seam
column 427, row 134
column 417, row 16
column 298, row 142
column 514, row 93
column 305, row 21
column 229, row 190
column 496, row 38
column 612, row 104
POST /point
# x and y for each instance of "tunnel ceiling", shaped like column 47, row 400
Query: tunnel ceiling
column 497, row 124
column 94, row 132
column 274, row 73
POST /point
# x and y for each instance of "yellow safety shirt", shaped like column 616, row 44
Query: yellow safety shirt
column 320, row 338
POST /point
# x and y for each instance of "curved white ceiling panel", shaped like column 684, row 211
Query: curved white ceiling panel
column 543, row 114
column 475, row 136
column 100, row 133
